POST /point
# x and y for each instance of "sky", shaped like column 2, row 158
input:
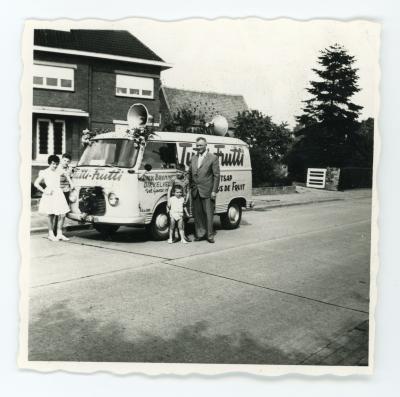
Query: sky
column 268, row 62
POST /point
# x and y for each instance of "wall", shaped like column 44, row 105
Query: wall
column 260, row 191
column 77, row 99
column 164, row 111
column 106, row 106
column 95, row 89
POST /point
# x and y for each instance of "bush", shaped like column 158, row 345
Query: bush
column 268, row 143
column 355, row 177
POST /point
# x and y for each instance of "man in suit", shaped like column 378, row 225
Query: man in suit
column 204, row 182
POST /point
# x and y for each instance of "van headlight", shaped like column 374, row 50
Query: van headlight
column 113, row 199
column 73, row 196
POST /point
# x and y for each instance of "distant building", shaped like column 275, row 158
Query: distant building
column 208, row 103
column 88, row 79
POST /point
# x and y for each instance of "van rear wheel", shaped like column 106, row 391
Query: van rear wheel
column 159, row 226
column 105, row 229
column 231, row 219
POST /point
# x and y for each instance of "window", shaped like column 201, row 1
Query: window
column 53, row 77
column 134, row 86
column 160, row 155
column 50, row 138
column 110, row 152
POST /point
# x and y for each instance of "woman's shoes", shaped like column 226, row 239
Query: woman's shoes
column 170, row 241
column 52, row 237
column 184, row 241
column 61, row 237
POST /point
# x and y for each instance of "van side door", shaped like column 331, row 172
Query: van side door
column 162, row 157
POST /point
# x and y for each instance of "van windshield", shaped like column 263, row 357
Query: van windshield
column 110, row 153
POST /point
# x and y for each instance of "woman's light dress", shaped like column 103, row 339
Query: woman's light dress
column 54, row 203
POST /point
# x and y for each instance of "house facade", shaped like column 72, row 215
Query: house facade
column 88, row 79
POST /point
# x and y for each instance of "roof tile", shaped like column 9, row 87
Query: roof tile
column 113, row 42
column 209, row 103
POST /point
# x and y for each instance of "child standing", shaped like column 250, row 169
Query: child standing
column 53, row 202
column 176, row 209
column 180, row 180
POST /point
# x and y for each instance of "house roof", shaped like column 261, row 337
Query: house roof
column 209, row 103
column 112, row 42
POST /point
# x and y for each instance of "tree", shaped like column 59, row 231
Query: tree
column 268, row 144
column 363, row 144
column 327, row 126
column 330, row 102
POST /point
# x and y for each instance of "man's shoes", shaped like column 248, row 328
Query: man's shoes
column 198, row 238
column 211, row 240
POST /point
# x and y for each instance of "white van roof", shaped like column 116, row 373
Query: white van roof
column 176, row 137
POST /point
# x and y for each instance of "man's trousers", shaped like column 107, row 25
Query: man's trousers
column 203, row 212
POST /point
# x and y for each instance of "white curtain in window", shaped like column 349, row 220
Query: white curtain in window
column 135, row 85
column 57, row 72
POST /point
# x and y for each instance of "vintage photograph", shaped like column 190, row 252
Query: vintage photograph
column 199, row 196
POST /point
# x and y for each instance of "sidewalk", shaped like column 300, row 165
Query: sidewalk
column 305, row 195
column 350, row 348
column 301, row 197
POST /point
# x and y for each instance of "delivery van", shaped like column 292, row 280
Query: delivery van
column 118, row 183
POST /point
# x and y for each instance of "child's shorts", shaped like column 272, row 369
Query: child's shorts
column 176, row 216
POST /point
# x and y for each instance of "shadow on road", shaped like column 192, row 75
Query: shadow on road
column 139, row 235
column 58, row 334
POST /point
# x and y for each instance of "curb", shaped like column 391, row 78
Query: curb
column 279, row 205
column 37, row 230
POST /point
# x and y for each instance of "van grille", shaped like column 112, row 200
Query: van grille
column 92, row 200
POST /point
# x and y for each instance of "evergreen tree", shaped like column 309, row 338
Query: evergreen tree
column 330, row 102
column 329, row 118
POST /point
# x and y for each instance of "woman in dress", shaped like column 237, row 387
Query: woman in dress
column 53, row 202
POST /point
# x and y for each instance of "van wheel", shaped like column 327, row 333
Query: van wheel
column 231, row 219
column 105, row 229
column 159, row 226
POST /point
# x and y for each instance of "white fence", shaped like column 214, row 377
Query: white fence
column 316, row 178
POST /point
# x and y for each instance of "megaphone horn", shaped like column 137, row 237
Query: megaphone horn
column 220, row 125
column 137, row 116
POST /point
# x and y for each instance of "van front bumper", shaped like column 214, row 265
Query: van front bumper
column 136, row 220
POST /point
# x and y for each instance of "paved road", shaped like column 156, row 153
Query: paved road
column 281, row 289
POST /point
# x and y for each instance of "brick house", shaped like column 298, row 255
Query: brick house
column 87, row 79
column 207, row 103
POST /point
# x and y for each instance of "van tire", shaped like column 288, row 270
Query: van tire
column 105, row 229
column 231, row 219
column 159, row 226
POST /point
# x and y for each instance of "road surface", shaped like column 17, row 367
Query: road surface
column 288, row 287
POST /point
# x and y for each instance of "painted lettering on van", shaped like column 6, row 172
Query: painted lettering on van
column 231, row 157
column 98, row 175
column 157, row 183
column 228, row 184
column 234, row 159
column 186, row 155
